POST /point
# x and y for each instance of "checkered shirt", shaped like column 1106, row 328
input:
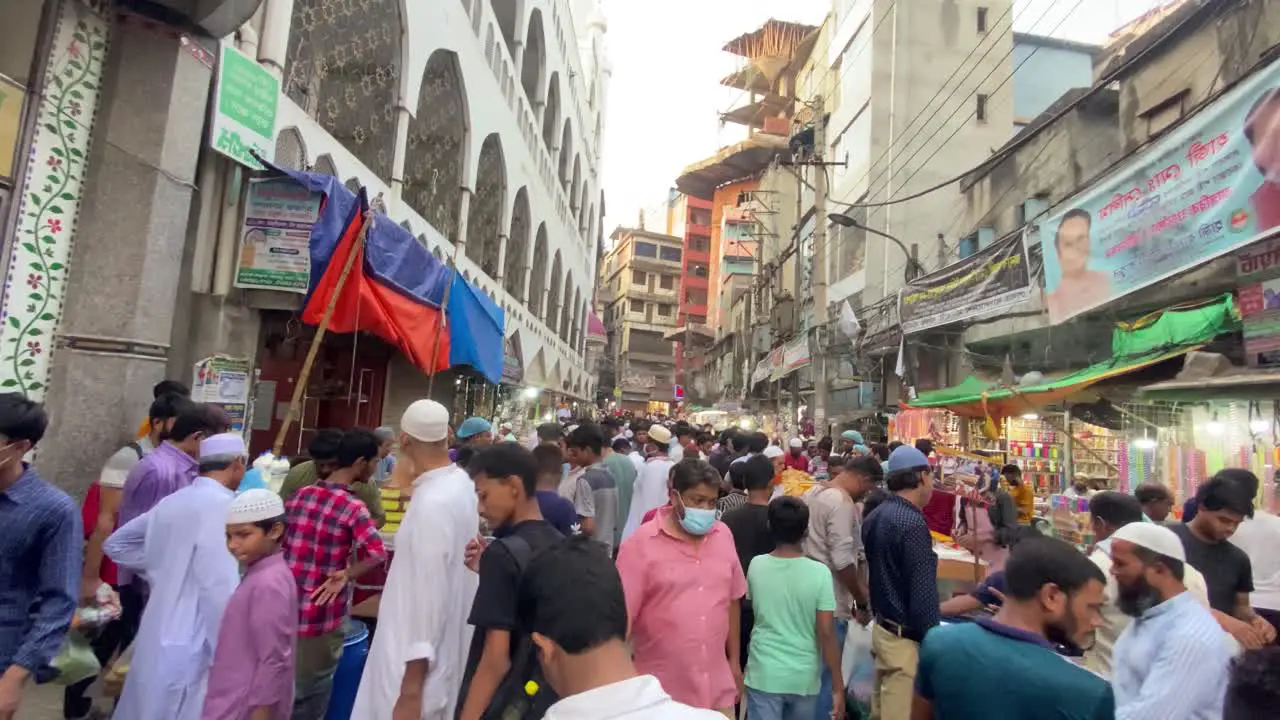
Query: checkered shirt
column 325, row 524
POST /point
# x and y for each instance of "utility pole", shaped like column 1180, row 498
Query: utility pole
column 820, row 269
column 797, row 315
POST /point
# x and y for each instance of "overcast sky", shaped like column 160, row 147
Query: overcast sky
column 665, row 100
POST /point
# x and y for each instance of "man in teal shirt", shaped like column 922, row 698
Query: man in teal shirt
column 1054, row 596
column 624, row 473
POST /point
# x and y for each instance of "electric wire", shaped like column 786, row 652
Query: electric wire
column 1029, row 135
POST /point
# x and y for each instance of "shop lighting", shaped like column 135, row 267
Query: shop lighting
column 1031, row 416
column 1215, row 426
column 1144, row 443
column 531, row 393
column 1259, row 426
column 745, row 423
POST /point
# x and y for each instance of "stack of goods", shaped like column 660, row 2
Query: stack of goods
column 1096, row 451
column 1069, row 520
column 794, row 482
column 1034, row 446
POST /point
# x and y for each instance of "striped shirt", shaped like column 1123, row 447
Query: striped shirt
column 1171, row 662
column 40, row 558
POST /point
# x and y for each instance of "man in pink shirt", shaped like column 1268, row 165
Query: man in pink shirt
column 684, row 587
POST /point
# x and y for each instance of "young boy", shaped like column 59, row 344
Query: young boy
column 555, row 509
column 794, row 633
column 252, row 673
column 586, row 445
column 506, row 478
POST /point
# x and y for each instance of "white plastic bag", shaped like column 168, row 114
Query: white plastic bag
column 857, row 664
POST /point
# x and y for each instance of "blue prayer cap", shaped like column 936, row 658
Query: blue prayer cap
column 853, row 435
column 473, row 426
column 907, row 458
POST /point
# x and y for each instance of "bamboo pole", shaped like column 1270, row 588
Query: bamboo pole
column 444, row 310
column 304, row 376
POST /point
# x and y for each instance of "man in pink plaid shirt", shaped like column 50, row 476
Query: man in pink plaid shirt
column 326, row 522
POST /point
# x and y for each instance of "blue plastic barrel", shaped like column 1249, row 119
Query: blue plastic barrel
column 346, row 679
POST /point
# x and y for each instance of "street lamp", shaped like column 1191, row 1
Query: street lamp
column 913, row 269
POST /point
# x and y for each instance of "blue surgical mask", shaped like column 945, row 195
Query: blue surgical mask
column 696, row 521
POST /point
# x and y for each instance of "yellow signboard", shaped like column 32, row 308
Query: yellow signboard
column 11, row 98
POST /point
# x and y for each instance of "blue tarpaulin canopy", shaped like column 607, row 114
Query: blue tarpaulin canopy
column 475, row 330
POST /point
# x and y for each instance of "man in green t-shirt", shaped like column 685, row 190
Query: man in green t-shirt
column 624, row 474
column 323, row 449
column 794, row 633
column 1053, row 596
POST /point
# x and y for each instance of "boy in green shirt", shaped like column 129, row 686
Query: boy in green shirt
column 794, row 631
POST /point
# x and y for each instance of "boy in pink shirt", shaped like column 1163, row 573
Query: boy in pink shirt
column 684, row 587
column 252, row 674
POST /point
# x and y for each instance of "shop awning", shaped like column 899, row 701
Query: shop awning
column 1150, row 340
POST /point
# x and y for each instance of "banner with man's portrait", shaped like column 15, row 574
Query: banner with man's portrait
column 1211, row 186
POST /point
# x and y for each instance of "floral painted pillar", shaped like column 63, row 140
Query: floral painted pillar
column 50, row 197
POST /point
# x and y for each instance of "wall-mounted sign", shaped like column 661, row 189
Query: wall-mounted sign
column 223, row 381
column 275, row 237
column 245, row 100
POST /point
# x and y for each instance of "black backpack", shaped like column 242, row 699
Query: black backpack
column 512, row 700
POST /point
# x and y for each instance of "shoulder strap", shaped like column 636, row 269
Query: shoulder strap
column 520, row 550
column 136, row 448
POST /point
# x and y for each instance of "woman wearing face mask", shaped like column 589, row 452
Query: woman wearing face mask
column 684, row 586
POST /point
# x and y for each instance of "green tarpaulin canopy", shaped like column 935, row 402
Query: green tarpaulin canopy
column 1144, row 342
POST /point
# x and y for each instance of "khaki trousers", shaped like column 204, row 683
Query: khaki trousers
column 896, row 661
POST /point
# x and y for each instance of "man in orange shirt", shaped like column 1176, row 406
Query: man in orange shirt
column 1022, row 494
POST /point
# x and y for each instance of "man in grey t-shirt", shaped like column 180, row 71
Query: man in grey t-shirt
column 585, row 445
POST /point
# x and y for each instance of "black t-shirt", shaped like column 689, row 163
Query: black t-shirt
column 494, row 607
column 750, row 527
column 1225, row 567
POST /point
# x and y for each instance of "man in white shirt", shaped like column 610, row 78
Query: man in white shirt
column 651, row 483
column 1259, row 538
column 180, row 546
column 578, row 615
column 416, row 663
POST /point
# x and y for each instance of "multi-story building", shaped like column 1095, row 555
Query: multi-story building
column 640, row 286
column 476, row 122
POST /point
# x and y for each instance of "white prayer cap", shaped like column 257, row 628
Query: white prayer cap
column 773, row 451
column 221, row 446
column 426, row 420
column 1156, row 538
column 255, row 505
column 797, row 443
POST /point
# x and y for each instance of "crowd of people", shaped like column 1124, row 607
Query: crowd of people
column 604, row 569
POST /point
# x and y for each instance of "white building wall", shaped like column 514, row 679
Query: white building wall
column 898, row 109
column 496, row 102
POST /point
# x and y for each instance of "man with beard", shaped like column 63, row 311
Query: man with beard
column 1053, row 597
column 1172, row 660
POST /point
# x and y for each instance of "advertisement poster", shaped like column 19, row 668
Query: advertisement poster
column 275, row 237
column 245, row 100
column 224, row 381
column 1209, row 187
column 995, row 278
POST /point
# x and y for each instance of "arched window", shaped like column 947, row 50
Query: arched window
column 553, row 294
column 290, row 151
column 551, row 114
column 437, row 146
column 343, row 68
column 505, row 11
column 484, row 220
column 575, row 185
column 535, row 58
column 517, row 246
column 538, row 274
column 565, row 310
column 324, row 166
column 566, row 152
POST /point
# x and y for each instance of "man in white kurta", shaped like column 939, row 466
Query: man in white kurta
column 422, row 618
column 650, row 489
column 180, row 547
